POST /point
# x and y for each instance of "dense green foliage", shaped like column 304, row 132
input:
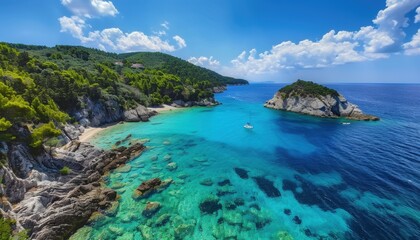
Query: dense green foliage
column 306, row 88
column 65, row 170
column 180, row 68
column 42, row 86
column 6, row 230
column 43, row 132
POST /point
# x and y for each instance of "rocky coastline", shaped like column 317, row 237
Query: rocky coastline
column 297, row 98
column 53, row 205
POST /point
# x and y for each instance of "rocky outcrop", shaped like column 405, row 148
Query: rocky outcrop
column 140, row 113
column 97, row 113
column 207, row 102
column 150, row 187
column 51, row 205
column 219, row 89
column 332, row 105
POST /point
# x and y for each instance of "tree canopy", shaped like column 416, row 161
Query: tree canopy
column 42, row 86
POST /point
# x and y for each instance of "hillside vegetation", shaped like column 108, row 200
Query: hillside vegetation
column 41, row 87
column 306, row 88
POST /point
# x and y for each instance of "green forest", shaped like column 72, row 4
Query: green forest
column 40, row 86
column 306, row 88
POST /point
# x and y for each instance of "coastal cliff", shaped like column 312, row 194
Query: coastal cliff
column 316, row 100
column 52, row 203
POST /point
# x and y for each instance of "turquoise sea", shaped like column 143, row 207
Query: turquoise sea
column 292, row 176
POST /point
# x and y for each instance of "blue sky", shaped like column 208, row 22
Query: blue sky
column 280, row 41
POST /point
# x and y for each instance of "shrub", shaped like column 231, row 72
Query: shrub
column 5, row 228
column 65, row 170
column 46, row 131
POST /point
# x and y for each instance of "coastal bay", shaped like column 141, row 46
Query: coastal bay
column 277, row 180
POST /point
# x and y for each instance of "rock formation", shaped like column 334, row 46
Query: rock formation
column 51, row 205
column 313, row 99
column 150, row 187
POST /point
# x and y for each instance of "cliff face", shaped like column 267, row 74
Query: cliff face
column 331, row 105
column 51, row 205
column 96, row 113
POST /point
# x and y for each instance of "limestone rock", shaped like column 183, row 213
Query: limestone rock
column 328, row 105
column 151, row 209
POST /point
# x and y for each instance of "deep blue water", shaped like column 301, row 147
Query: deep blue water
column 357, row 181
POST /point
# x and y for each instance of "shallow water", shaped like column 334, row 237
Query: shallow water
column 307, row 178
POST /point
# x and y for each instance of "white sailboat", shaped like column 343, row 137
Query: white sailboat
column 248, row 125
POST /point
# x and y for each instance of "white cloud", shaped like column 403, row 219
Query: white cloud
column 417, row 18
column 208, row 62
column 305, row 54
column 413, row 47
column 115, row 39
column 180, row 41
column 165, row 25
column 74, row 25
column 389, row 34
column 335, row 48
column 135, row 41
column 160, row 33
column 112, row 38
column 90, row 8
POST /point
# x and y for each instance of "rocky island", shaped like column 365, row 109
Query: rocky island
column 313, row 99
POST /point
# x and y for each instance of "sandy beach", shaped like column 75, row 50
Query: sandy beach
column 164, row 108
column 93, row 131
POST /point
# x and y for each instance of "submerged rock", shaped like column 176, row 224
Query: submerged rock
column 206, row 182
column 126, row 236
column 167, row 157
column 112, row 211
column 171, row 166
column 230, row 206
column 96, row 217
column 233, row 218
column 117, row 230
column 151, row 209
column 256, row 206
column 183, row 176
column 224, row 182
column 129, row 217
column 146, row 231
column 225, row 190
column 259, row 218
column 284, row 236
column 267, row 186
column 287, row 211
column 162, row 220
column 242, row 173
column 297, row 220
column 183, row 230
column 210, row 205
column 123, row 169
column 150, row 187
column 239, row 201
